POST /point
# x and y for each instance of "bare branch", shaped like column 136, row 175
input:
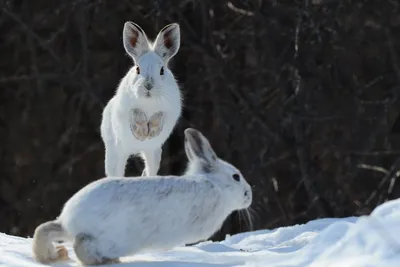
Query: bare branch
column 373, row 168
column 239, row 10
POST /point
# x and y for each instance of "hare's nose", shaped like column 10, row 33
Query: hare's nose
column 148, row 86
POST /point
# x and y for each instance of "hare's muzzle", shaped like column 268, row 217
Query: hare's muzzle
column 148, row 86
column 248, row 197
column 148, row 83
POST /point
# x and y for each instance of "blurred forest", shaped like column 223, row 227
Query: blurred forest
column 302, row 96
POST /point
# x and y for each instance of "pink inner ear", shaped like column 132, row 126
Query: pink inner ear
column 134, row 38
column 167, row 39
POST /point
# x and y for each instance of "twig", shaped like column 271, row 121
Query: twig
column 256, row 115
column 392, row 172
column 373, row 168
column 304, row 162
column 82, row 24
column 299, row 128
column 392, row 183
column 239, row 10
column 376, row 153
column 393, row 56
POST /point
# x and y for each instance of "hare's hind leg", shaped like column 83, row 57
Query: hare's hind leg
column 87, row 250
column 115, row 161
column 152, row 161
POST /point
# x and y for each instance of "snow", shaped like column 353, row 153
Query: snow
column 347, row 242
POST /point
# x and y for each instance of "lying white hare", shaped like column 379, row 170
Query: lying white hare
column 115, row 217
column 147, row 104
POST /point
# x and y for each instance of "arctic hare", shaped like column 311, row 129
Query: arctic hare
column 114, row 217
column 147, row 104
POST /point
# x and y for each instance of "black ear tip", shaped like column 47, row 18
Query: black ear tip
column 172, row 25
column 129, row 24
column 190, row 131
column 175, row 25
column 132, row 25
column 195, row 137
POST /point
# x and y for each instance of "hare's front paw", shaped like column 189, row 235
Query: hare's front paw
column 139, row 125
column 156, row 123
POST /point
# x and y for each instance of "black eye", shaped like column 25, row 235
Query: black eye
column 162, row 71
column 137, row 70
column 236, row 177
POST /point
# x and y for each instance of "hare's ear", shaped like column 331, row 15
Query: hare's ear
column 188, row 150
column 198, row 147
column 135, row 40
column 168, row 41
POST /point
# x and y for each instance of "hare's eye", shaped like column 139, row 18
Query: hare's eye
column 137, row 70
column 162, row 71
column 236, row 177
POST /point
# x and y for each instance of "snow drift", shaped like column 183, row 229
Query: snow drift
column 347, row 242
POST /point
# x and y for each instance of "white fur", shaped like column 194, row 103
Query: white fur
column 128, row 216
column 116, row 133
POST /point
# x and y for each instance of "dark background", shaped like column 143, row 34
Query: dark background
column 302, row 96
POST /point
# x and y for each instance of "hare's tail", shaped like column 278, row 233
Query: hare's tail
column 43, row 249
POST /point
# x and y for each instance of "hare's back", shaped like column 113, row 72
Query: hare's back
column 112, row 201
column 94, row 204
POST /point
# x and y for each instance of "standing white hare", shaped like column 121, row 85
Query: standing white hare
column 115, row 217
column 147, row 104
